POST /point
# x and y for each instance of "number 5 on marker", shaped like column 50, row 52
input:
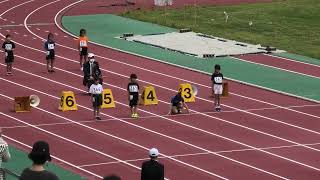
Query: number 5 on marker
column 107, row 99
column 67, row 101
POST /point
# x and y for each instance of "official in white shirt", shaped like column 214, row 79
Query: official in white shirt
column 96, row 96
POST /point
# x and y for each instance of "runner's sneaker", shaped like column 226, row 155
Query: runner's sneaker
column 81, row 68
column 218, row 108
column 98, row 118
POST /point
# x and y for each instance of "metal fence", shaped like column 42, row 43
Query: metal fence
column 8, row 174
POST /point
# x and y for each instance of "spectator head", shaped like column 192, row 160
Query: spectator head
column 153, row 153
column 112, row 177
column 40, row 153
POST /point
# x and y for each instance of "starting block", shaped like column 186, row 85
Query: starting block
column 149, row 96
column 187, row 92
column 107, row 99
column 68, row 101
column 22, row 104
column 225, row 91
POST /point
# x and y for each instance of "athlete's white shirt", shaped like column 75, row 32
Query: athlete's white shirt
column 96, row 89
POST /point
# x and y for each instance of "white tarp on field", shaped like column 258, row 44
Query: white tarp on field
column 162, row 2
column 197, row 44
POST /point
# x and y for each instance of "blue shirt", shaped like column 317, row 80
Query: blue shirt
column 176, row 100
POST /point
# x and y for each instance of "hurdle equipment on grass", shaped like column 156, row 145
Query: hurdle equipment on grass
column 24, row 103
column 68, row 101
column 149, row 96
column 107, row 99
column 187, row 92
column 225, row 91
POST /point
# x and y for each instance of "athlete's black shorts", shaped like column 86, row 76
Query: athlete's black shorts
column 9, row 57
column 51, row 55
column 133, row 100
column 97, row 100
column 84, row 51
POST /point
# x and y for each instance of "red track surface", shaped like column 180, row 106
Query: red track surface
column 287, row 64
column 227, row 141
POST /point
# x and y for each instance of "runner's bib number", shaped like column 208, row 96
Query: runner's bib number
column 218, row 79
column 83, row 43
column 50, row 46
column 8, row 47
column 133, row 88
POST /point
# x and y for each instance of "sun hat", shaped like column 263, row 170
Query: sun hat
column 153, row 152
column 40, row 150
column 90, row 55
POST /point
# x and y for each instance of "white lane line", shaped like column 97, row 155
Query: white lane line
column 274, row 67
column 54, row 157
column 275, row 120
column 158, row 60
column 288, row 59
column 4, row 1
column 160, row 134
column 203, row 149
column 151, row 118
column 63, row 138
column 197, row 154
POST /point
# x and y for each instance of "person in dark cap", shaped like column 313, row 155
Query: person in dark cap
column 152, row 169
column 112, row 177
column 39, row 155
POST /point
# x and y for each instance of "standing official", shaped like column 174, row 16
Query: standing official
column 91, row 71
column 152, row 169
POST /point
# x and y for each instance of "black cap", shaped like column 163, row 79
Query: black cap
column 40, row 152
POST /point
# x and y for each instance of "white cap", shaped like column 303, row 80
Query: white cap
column 90, row 55
column 153, row 152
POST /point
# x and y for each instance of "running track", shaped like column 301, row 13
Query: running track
column 260, row 134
